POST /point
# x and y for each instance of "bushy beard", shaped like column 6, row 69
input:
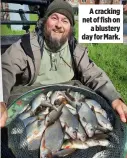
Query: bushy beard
column 53, row 43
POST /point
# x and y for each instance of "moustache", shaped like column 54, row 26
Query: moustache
column 58, row 30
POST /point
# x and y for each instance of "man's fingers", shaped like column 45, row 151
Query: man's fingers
column 3, row 120
column 3, row 114
column 2, row 124
column 125, row 112
column 121, row 113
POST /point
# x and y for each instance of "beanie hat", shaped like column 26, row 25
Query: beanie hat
column 62, row 7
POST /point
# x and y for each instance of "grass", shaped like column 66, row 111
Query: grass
column 112, row 58
column 6, row 29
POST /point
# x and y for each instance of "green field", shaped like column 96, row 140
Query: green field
column 6, row 29
column 112, row 58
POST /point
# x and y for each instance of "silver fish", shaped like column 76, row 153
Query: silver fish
column 34, row 133
column 70, row 131
column 84, row 145
column 92, row 102
column 53, row 115
column 71, row 109
column 81, row 135
column 103, row 122
column 40, row 100
column 48, row 104
column 96, row 106
column 56, row 96
column 54, row 137
column 101, row 142
column 49, row 95
column 25, row 108
column 78, row 97
column 76, row 144
column 29, row 120
column 25, row 114
column 45, row 111
column 69, row 121
column 69, row 99
column 72, row 93
column 63, row 153
column 44, row 152
column 98, row 132
column 42, row 115
column 37, row 101
column 66, row 136
column 87, row 118
column 100, row 136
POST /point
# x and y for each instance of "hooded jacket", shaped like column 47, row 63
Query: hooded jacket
column 17, row 64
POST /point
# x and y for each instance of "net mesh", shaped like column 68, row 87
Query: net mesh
column 116, row 137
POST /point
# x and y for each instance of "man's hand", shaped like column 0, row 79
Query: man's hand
column 121, row 109
column 3, row 114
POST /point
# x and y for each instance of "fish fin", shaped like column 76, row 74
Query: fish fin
column 68, row 90
column 78, row 107
column 64, row 152
column 102, row 129
column 26, row 107
column 100, row 136
column 70, row 96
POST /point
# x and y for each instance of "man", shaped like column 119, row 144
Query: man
column 56, row 57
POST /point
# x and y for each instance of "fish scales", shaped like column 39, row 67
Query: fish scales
column 34, row 133
column 63, row 153
column 103, row 121
column 81, row 133
column 96, row 106
column 54, row 137
column 87, row 118
column 53, row 115
column 73, row 126
column 44, row 152
column 68, row 118
column 79, row 97
column 25, row 114
column 25, row 108
column 71, row 109
column 77, row 144
column 55, row 96
column 36, row 102
column 29, row 120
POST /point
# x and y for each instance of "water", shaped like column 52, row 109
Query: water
column 125, row 28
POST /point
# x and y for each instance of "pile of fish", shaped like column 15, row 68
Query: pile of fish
column 59, row 122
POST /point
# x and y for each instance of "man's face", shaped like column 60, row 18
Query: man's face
column 56, row 31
